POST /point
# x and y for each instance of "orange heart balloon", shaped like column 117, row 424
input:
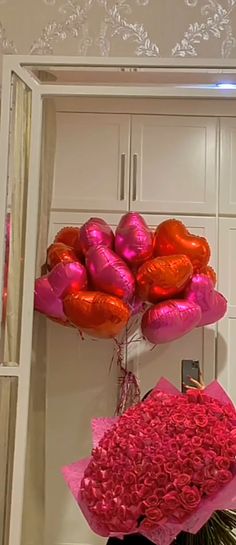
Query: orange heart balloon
column 96, row 313
column 209, row 271
column 60, row 253
column 70, row 236
column 172, row 238
column 163, row 277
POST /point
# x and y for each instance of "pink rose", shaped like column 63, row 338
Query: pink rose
column 154, row 514
column 151, row 501
column 190, row 497
column 201, row 420
column 198, row 477
column 197, row 463
column 129, row 477
column 161, row 479
column 222, row 462
column 171, row 500
column 224, row 476
column 210, row 487
column 182, row 480
column 196, row 441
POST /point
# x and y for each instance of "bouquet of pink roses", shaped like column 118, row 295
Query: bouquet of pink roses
column 162, row 468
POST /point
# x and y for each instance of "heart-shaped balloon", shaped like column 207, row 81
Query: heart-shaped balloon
column 163, row 277
column 172, row 237
column 109, row 273
column 96, row 313
column 210, row 273
column 46, row 301
column 133, row 240
column 60, row 253
column 212, row 303
column 95, row 232
column 66, row 277
column 70, row 236
column 170, row 320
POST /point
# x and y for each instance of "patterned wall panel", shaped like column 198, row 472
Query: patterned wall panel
column 165, row 28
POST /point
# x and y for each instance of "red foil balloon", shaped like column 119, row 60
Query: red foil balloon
column 98, row 314
column 170, row 320
column 172, row 237
column 70, row 236
column 60, row 253
column 133, row 240
column 95, row 232
column 163, row 277
column 109, row 273
column 66, row 277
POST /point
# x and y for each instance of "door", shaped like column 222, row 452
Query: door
column 92, row 162
column 81, row 384
column 173, row 164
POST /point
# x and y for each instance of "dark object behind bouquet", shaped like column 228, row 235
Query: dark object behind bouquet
column 217, row 531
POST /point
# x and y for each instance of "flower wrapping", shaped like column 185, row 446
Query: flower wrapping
column 161, row 468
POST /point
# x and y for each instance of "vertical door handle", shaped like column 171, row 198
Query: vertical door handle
column 122, row 176
column 134, row 185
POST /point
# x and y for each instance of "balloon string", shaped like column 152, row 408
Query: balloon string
column 129, row 388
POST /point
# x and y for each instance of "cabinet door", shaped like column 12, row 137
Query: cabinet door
column 165, row 360
column 92, row 162
column 173, row 164
column 226, row 338
column 227, row 177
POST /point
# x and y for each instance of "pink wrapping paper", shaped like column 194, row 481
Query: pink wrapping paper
column 161, row 535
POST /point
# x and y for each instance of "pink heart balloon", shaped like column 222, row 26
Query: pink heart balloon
column 109, row 273
column 134, row 239
column 94, row 232
column 170, row 320
column 46, row 301
column 212, row 303
column 66, row 277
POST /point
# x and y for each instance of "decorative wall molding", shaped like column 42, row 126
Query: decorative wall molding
column 184, row 28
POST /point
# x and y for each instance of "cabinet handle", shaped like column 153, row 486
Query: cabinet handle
column 134, row 187
column 122, row 177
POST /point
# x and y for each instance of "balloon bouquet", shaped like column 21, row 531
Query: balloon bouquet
column 98, row 281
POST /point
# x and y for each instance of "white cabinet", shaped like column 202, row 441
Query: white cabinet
column 172, row 167
column 227, row 204
column 226, row 338
column 92, row 162
column 173, row 164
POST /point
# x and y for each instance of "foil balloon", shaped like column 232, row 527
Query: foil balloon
column 46, row 301
column 170, row 320
column 109, row 273
column 60, row 253
column 210, row 273
column 95, row 232
column 172, row 237
column 201, row 292
column 133, row 240
column 70, row 236
column 163, row 277
column 96, row 313
column 66, row 277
